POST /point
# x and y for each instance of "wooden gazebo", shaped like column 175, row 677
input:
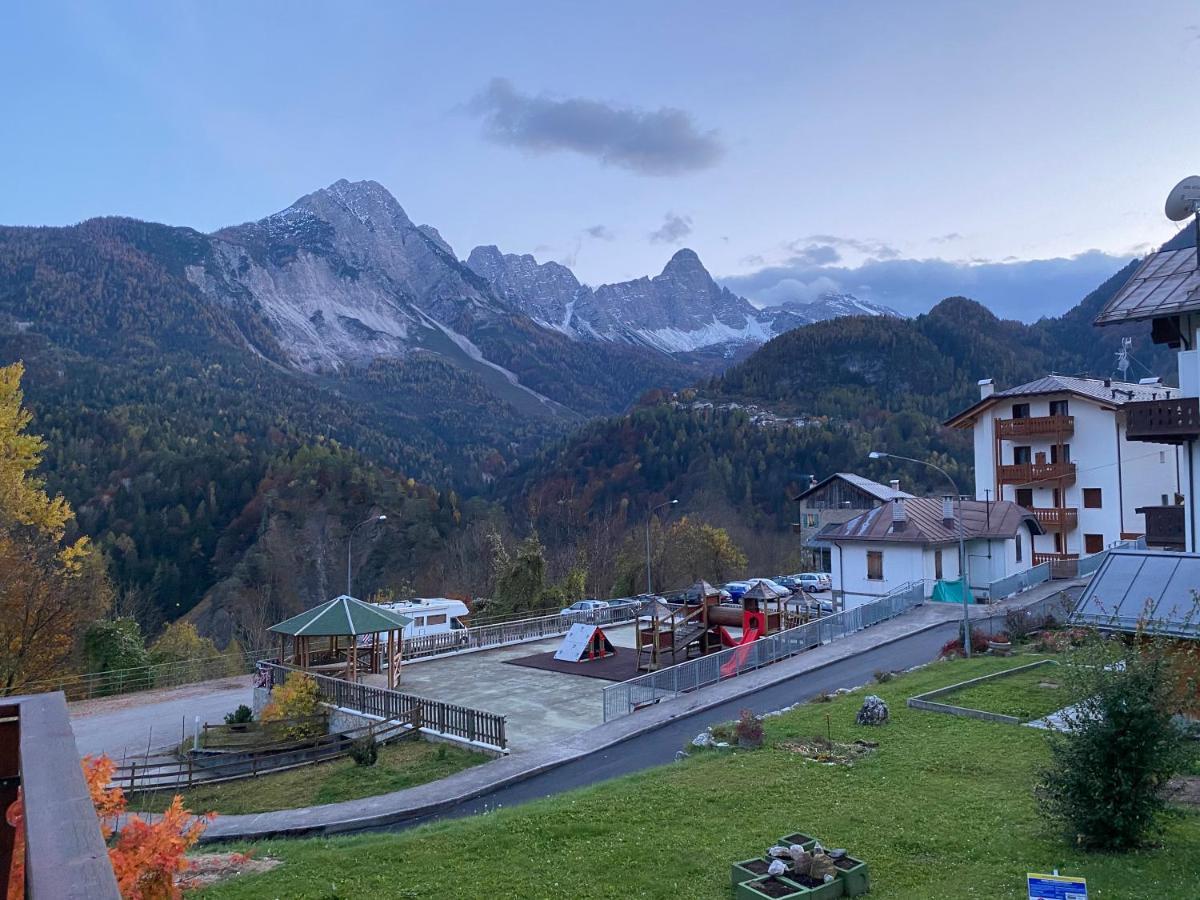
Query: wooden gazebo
column 345, row 638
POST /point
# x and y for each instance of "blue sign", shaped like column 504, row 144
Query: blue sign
column 1057, row 887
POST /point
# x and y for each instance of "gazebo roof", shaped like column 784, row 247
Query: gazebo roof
column 341, row 616
column 760, row 591
column 703, row 589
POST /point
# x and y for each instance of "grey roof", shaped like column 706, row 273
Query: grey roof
column 342, row 616
column 874, row 488
column 924, row 523
column 1152, row 589
column 820, row 540
column 1102, row 390
column 1165, row 284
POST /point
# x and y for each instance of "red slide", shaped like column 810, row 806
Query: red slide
column 738, row 657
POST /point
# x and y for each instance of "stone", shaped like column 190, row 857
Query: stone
column 874, row 711
column 703, row 739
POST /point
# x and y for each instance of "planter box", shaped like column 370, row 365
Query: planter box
column 750, row 890
column 748, row 870
column 828, row 891
column 856, row 877
column 804, row 840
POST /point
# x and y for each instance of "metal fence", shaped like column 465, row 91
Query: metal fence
column 622, row 699
column 519, row 631
column 1021, row 581
column 448, row 719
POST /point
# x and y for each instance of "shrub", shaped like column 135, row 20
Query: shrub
column 364, row 751
column 884, row 677
column 979, row 644
column 241, row 716
column 1105, row 782
column 297, row 698
column 748, row 729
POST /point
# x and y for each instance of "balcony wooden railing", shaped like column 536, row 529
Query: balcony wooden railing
column 1066, row 517
column 1164, row 526
column 1163, row 421
column 1031, row 473
column 1062, row 565
column 1035, row 426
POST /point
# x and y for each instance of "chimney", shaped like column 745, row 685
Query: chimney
column 899, row 514
column 948, row 508
column 987, row 387
column 894, row 484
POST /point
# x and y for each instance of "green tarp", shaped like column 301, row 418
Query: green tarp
column 951, row 592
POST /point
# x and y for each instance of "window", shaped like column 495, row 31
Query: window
column 1058, row 542
column 811, row 520
column 1025, row 497
column 1060, row 453
column 1018, row 547
column 1022, row 456
column 1020, row 411
column 937, row 564
column 875, row 565
column 1092, row 498
column 1058, row 408
column 436, row 620
column 418, row 621
column 1093, row 543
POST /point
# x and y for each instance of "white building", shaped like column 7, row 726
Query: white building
column 916, row 539
column 1165, row 291
column 1059, row 446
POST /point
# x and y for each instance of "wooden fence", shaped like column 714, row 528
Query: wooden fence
column 449, row 719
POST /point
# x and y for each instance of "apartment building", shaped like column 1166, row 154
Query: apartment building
column 1061, row 447
column 831, row 502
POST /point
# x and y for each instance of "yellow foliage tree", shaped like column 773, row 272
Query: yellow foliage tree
column 50, row 589
column 298, row 698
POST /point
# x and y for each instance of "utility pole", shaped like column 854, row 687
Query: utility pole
column 350, row 543
column 649, row 516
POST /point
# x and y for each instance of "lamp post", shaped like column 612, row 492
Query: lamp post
column 649, row 516
column 962, row 541
column 350, row 543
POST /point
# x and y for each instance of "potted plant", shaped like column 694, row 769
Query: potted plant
column 1000, row 644
column 239, row 720
column 748, row 730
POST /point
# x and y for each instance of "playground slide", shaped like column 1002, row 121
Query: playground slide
column 738, row 657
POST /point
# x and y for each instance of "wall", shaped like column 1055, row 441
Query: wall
column 902, row 563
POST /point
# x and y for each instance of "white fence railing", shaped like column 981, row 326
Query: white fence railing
column 1035, row 575
column 622, row 699
column 519, row 631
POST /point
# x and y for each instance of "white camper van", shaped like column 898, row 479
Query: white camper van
column 430, row 615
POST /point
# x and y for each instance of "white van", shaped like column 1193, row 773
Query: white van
column 430, row 615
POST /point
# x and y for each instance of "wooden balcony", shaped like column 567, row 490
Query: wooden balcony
column 1032, row 473
column 1062, row 565
column 1163, row 421
column 1165, row 526
column 1062, row 517
column 1035, row 426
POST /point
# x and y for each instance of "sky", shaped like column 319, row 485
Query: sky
column 1015, row 152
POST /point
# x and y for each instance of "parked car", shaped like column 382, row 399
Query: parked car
column 621, row 602
column 814, row 581
column 737, row 588
column 582, row 606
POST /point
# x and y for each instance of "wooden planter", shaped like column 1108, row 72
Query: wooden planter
column 1000, row 648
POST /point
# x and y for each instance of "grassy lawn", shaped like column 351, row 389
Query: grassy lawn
column 1026, row 695
column 943, row 809
column 401, row 765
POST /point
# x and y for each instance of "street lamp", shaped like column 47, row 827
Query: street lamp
column 349, row 543
column 962, row 542
column 649, row 516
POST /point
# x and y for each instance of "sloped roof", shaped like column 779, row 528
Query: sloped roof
column 924, row 524
column 760, row 591
column 874, row 488
column 1104, row 391
column 1165, row 284
column 341, row 616
column 1152, row 589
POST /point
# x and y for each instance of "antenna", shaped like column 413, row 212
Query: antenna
column 1184, row 201
column 1123, row 357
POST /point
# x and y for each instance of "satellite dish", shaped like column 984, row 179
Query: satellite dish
column 1184, row 199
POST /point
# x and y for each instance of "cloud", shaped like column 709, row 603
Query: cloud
column 665, row 141
column 947, row 238
column 813, row 254
column 673, row 229
column 600, row 232
column 866, row 246
column 1021, row 289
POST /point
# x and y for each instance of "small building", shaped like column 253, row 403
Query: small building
column 1061, row 446
column 832, row 502
column 916, row 539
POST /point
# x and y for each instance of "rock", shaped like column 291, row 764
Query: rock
column 776, row 867
column 703, row 739
column 874, row 711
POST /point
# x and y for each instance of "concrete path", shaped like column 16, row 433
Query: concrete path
column 648, row 737
column 129, row 723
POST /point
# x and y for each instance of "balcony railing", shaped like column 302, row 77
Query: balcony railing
column 1163, row 421
column 1031, row 473
column 1065, row 517
column 1035, row 426
column 1062, row 565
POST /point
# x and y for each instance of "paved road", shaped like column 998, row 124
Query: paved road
column 659, row 746
column 126, row 724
